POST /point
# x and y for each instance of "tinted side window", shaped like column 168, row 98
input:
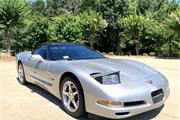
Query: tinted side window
column 42, row 51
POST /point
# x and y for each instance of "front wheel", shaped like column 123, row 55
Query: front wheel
column 21, row 74
column 72, row 97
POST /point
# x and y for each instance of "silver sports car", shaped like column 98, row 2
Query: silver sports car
column 88, row 82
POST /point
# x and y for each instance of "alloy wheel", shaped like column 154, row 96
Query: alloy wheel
column 70, row 96
column 20, row 73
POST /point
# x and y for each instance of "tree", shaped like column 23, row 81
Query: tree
column 72, row 31
column 1, row 41
column 39, row 7
column 54, row 8
column 137, row 26
column 89, row 5
column 172, row 24
column 111, row 11
column 20, row 41
column 158, row 36
column 155, row 35
column 58, row 7
column 66, row 28
column 134, row 26
column 150, row 5
column 92, row 24
column 37, row 32
column 12, row 14
column 71, row 6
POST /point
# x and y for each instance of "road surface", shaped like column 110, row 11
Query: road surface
column 33, row 103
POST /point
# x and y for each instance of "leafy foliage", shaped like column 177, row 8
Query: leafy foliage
column 119, row 26
column 134, row 26
column 12, row 14
column 66, row 28
column 37, row 32
column 92, row 24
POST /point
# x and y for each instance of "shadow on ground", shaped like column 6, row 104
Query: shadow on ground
column 144, row 116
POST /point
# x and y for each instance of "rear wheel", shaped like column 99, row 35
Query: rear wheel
column 72, row 97
column 21, row 74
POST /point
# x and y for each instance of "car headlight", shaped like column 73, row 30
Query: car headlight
column 108, row 79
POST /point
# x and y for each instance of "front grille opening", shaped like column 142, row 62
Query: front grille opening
column 157, row 96
column 157, row 92
column 134, row 103
column 122, row 113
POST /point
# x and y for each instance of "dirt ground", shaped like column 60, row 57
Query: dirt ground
column 33, row 103
column 7, row 58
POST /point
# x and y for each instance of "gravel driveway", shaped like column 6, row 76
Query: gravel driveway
column 33, row 103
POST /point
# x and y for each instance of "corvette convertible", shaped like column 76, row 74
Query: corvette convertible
column 87, row 82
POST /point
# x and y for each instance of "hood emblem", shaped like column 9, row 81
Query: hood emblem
column 149, row 82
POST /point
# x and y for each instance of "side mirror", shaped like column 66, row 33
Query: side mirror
column 37, row 57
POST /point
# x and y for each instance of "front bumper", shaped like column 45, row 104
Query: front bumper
column 125, row 112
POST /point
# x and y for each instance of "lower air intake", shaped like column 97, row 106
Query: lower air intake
column 134, row 103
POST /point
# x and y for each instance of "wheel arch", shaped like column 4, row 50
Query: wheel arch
column 70, row 74
column 17, row 63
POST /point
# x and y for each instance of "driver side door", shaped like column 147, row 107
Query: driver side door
column 39, row 72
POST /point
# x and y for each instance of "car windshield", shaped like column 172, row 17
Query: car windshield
column 72, row 52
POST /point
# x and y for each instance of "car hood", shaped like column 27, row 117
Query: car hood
column 129, row 69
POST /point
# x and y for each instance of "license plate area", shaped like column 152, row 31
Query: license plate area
column 157, row 96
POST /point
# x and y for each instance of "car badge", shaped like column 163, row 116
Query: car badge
column 149, row 82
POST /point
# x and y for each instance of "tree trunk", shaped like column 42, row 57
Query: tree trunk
column 91, row 41
column 170, row 48
column 91, row 44
column 137, row 47
column 158, row 50
column 8, row 47
column 118, row 43
column 118, row 49
column 8, row 41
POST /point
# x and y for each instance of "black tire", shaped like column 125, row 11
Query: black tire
column 22, row 79
column 81, row 107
